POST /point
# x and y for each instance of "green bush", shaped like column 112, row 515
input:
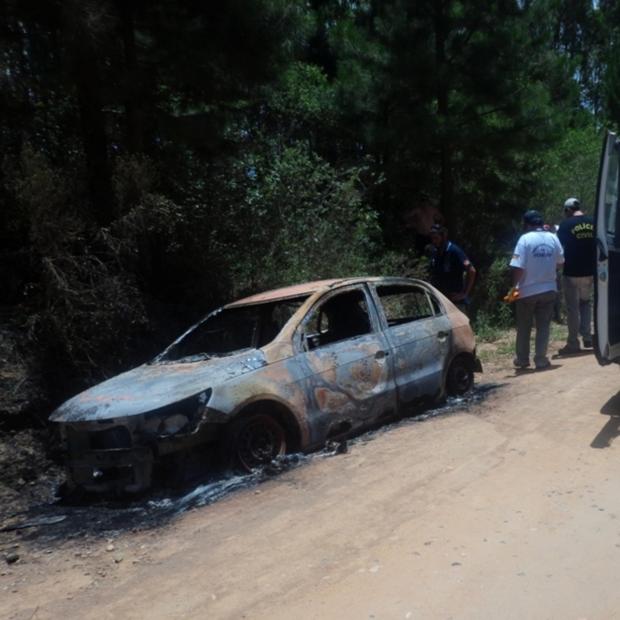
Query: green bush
column 298, row 219
column 492, row 313
column 82, row 311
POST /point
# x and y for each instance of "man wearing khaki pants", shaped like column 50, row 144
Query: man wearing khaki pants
column 576, row 234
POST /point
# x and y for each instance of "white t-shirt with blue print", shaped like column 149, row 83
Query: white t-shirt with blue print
column 538, row 253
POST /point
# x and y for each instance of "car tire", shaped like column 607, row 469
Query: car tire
column 459, row 378
column 254, row 441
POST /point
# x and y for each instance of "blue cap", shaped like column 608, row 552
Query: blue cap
column 533, row 218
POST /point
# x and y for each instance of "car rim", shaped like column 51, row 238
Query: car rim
column 460, row 379
column 259, row 442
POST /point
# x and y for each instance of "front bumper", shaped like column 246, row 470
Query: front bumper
column 113, row 471
column 117, row 458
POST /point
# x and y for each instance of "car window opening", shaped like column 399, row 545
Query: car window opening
column 341, row 317
column 404, row 304
column 233, row 330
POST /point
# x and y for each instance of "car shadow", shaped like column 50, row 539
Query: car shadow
column 75, row 517
column 611, row 430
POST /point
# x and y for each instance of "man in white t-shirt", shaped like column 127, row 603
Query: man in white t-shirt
column 534, row 263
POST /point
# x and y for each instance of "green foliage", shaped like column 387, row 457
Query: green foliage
column 300, row 220
column 465, row 102
column 612, row 80
column 160, row 158
column 569, row 168
column 82, row 310
column 491, row 312
column 42, row 194
column 304, row 93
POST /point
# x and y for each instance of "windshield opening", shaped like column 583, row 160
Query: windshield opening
column 232, row 330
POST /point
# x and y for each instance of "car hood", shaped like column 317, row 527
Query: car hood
column 152, row 386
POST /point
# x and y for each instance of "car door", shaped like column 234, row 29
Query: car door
column 346, row 363
column 607, row 225
column 419, row 334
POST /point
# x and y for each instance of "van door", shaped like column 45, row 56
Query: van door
column 607, row 225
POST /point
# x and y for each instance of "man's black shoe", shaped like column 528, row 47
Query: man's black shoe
column 569, row 350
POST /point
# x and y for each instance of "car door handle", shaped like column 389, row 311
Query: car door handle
column 379, row 355
column 442, row 335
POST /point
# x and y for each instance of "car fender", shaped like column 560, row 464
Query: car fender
column 279, row 383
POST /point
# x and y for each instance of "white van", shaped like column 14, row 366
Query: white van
column 607, row 225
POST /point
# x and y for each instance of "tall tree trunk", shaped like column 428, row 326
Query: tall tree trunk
column 85, row 74
column 133, row 110
column 441, row 68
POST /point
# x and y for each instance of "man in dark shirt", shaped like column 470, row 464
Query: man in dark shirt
column 451, row 271
column 576, row 234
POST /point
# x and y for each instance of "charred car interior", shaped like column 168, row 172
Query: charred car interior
column 277, row 372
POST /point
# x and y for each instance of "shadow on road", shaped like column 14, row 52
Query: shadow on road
column 612, row 406
column 520, row 372
column 581, row 353
column 612, row 428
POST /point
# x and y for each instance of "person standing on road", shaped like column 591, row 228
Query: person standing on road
column 451, row 271
column 534, row 263
column 576, row 234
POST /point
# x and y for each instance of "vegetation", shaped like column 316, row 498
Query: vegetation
column 160, row 158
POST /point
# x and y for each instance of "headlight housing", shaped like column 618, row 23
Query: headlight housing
column 181, row 417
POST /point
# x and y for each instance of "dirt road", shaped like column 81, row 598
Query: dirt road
column 510, row 509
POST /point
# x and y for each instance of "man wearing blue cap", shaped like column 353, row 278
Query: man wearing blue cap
column 534, row 263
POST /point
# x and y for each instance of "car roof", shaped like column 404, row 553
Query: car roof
column 309, row 288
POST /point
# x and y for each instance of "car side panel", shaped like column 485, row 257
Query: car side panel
column 348, row 384
column 420, row 349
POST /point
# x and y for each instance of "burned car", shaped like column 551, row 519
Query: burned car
column 282, row 371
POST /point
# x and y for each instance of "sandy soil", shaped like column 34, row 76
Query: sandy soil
column 507, row 509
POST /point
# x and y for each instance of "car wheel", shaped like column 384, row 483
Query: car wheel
column 256, row 440
column 460, row 377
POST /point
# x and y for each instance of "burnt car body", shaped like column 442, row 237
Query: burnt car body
column 277, row 372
